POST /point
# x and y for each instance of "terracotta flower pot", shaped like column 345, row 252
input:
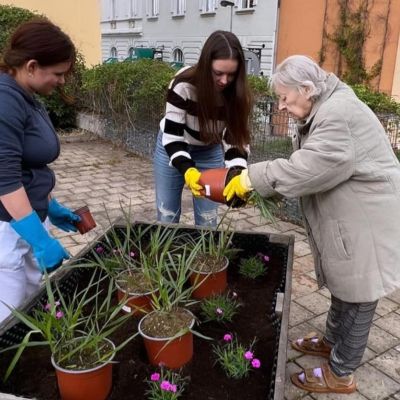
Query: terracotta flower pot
column 135, row 303
column 90, row 384
column 173, row 353
column 209, row 284
column 214, row 182
column 87, row 222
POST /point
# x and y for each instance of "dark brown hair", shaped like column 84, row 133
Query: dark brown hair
column 40, row 40
column 221, row 45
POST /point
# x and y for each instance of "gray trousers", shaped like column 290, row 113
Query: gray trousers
column 347, row 330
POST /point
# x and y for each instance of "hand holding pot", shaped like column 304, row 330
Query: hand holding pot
column 62, row 217
column 239, row 186
column 192, row 176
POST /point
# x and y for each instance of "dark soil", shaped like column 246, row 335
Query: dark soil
column 34, row 376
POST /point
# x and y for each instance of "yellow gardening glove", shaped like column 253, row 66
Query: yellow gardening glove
column 192, row 176
column 238, row 186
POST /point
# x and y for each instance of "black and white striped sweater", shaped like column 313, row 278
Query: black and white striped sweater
column 180, row 128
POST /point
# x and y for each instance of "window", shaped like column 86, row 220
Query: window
column 178, row 7
column 178, row 55
column 131, row 52
column 152, row 8
column 242, row 4
column 207, row 6
column 114, row 52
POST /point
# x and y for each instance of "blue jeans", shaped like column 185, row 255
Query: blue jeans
column 170, row 182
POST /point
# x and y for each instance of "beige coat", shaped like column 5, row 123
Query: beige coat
column 348, row 180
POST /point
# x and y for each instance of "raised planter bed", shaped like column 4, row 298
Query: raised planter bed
column 264, row 315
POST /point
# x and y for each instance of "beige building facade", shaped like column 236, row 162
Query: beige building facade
column 80, row 19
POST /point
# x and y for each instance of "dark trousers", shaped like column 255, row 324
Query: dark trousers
column 347, row 330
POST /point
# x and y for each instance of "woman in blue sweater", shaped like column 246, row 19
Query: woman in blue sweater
column 205, row 126
column 36, row 60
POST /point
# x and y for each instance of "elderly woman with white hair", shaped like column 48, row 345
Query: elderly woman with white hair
column 347, row 177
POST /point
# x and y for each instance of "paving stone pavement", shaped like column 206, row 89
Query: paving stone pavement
column 106, row 177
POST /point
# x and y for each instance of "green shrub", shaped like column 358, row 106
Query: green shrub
column 377, row 101
column 259, row 86
column 128, row 92
column 10, row 18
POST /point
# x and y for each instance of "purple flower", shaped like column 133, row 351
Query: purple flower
column 248, row 355
column 227, row 337
column 234, row 295
column 59, row 314
column 155, row 376
column 263, row 257
column 165, row 385
column 219, row 311
column 256, row 363
column 99, row 249
column 47, row 306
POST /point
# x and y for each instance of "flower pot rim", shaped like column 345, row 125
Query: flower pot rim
column 132, row 294
column 84, row 371
column 157, row 339
column 214, row 272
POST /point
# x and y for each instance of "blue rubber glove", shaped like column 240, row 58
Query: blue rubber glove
column 48, row 251
column 62, row 217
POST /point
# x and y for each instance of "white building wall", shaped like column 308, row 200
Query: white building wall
column 125, row 24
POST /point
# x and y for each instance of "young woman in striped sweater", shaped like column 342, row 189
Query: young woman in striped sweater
column 205, row 126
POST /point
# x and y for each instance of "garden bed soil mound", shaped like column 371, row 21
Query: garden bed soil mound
column 34, row 375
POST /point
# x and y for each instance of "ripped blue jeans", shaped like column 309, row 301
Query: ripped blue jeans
column 170, row 182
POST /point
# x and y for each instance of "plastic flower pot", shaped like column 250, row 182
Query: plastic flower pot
column 172, row 352
column 90, row 384
column 214, row 181
column 135, row 303
column 87, row 223
column 208, row 284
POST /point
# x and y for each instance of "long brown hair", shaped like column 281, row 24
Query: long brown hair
column 221, row 45
column 40, row 40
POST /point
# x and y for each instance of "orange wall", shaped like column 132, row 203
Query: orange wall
column 301, row 25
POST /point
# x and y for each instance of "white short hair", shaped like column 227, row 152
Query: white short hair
column 300, row 72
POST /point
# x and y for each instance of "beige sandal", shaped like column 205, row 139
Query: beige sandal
column 312, row 344
column 323, row 380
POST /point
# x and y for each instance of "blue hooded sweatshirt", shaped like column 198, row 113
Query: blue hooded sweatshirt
column 28, row 142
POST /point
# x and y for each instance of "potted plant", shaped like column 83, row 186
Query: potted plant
column 209, row 267
column 167, row 331
column 129, row 261
column 76, row 329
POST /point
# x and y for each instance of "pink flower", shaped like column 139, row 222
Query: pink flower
column 47, row 307
column 227, row 337
column 234, row 295
column 155, row 376
column 165, row 385
column 219, row 311
column 59, row 314
column 256, row 363
column 132, row 254
column 57, row 303
column 266, row 259
column 248, row 355
column 172, row 388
